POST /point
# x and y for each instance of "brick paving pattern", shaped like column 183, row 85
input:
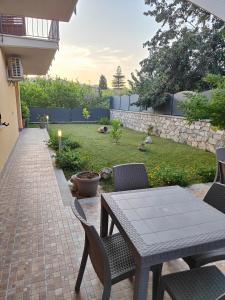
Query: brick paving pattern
column 41, row 243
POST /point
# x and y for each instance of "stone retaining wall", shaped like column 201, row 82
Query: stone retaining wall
column 199, row 134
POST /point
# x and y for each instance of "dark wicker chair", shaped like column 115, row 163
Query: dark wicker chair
column 222, row 171
column 220, row 156
column 216, row 198
column 206, row 283
column 110, row 256
column 129, row 177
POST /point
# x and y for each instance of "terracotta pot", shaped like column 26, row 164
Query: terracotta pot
column 87, row 187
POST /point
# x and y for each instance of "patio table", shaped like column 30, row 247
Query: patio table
column 162, row 224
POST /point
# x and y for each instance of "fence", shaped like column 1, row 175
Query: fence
column 67, row 115
column 127, row 103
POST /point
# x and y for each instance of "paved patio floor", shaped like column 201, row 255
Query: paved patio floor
column 40, row 241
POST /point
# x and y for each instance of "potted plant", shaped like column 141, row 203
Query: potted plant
column 25, row 113
column 87, row 183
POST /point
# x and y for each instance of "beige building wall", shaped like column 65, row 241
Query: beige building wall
column 8, row 110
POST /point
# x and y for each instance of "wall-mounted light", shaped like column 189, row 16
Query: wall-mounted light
column 3, row 124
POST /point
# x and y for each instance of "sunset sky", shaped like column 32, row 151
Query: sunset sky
column 103, row 35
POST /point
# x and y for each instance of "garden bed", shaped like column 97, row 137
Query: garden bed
column 167, row 162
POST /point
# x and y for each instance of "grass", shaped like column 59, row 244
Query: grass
column 162, row 154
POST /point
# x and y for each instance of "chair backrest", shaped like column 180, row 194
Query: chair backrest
column 220, row 154
column 95, row 245
column 216, row 196
column 222, row 171
column 130, row 177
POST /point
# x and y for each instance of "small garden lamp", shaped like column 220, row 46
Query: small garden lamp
column 60, row 139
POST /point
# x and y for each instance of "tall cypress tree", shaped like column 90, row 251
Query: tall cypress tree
column 118, row 82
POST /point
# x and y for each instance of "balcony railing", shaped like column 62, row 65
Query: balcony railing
column 29, row 27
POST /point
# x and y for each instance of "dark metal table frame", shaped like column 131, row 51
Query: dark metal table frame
column 197, row 240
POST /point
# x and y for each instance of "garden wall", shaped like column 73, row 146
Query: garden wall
column 199, row 134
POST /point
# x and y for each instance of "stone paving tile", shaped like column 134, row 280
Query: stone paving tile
column 40, row 240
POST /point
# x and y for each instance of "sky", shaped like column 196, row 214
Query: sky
column 103, row 35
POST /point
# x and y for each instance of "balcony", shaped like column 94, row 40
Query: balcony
column 29, row 27
column 60, row 10
column 34, row 40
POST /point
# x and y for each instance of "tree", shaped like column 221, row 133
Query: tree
column 118, row 82
column 103, row 83
column 57, row 92
column 191, row 45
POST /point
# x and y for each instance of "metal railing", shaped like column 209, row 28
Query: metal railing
column 29, row 27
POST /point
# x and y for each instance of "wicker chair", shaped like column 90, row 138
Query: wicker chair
column 216, row 198
column 220, row 156
column 222, row 171
column 206, row 283
column 110, row 256
column 129, row 177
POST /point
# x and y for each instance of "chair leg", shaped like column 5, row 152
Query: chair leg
column 111, row 228
column 106, row 292
column 82, row 268
column 161, row 292
column 157, row 271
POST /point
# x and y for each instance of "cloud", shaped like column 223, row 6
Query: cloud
column 88, row 63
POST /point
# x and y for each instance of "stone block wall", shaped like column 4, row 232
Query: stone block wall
column 199, row 134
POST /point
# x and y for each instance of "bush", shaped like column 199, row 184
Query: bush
column 207, row 174
column 196, row 107
column 167, row 177
column 217, row 108
column 69, row 160
column 104, row 121
column 66, row 142
column 199, row 107
column 25, row 111
column 86, row 113
column 116, row 132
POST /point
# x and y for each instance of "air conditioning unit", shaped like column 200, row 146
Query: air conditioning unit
column 15, row 68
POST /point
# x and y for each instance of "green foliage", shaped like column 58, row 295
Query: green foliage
column 164, row 153
column 103, row 83
column 116, row 131
column 207, row 174
column 168, row 176
column 180, row 55
column 118, row 82
column 69, row 160
column 25, row 110
column 67, row 142
column 86, row 113
column 104, row 121
column 196, row 107
column 49, row 92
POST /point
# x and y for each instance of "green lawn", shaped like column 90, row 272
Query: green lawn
column 163, row 154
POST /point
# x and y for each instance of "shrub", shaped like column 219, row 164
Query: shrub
column 104, row 121
column 66, row 142
column 217, row 108
column 116, row 132
column 167, row 177
column 25, row 110
column 196, row 107
column 69, row 160
column 207, row 174
column 86, row 113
